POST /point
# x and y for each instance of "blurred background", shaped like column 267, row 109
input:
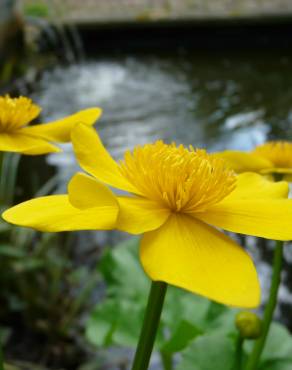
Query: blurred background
column 210, row 73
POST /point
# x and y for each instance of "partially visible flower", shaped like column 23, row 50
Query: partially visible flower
column 273, row 157
column 17, row 136
column 179, row 197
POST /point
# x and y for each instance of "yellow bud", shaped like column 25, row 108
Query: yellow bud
column 248, row 324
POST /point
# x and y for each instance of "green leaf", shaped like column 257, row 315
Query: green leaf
column 28, row 265
column 277, row 354
column 278, row 345
column 122, row 271
column 115, row 324
column 183, row 334
column 220, row 318
column 8, row 250
column 4, row 226
column 183, row 305
column 282, row 364
column 102, row 323
column 208, row 352
column 117, row 319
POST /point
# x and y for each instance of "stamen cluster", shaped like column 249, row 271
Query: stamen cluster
column 16, row 112
column 182, row 179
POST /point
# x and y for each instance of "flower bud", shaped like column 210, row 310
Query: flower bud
column 248, row 324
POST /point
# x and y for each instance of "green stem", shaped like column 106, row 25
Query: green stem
column 12, row 173
column 238, row 353
column 1, row 358
column 166, row 360
column 150, row 325
column 1, row 352
column 9, row 169
column 259, row 344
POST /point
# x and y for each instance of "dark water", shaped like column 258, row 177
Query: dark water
column 212, row 100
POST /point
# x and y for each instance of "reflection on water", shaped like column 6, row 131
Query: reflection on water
column 214, row 101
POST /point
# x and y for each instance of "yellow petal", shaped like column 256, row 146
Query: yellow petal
column 55, row 213
column 189, row 254
column 250, row 185
column 21, row 143
column 243, row 161
column 138, row 215
column 86, row 192
column 60, row 130
column 267, row 218
column 95, row 159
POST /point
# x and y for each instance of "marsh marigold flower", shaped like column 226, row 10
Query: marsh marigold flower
column 17, row 136
column 178, row 199
column 273, row 157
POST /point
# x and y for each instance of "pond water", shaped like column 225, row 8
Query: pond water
column 211, row 100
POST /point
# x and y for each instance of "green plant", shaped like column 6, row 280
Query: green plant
column 41, row 282
column 184, row 318
column 36, row 9
column 203, row 332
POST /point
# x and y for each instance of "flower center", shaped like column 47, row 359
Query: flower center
column 16, row 112
column 183, row 179
column 278, row 152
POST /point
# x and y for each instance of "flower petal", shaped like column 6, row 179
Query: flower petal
column 189, row 254
column 250, row 185
column 60, row 130
column 55, row 213
column 21, row 143
column 243, row 161
column 138, row 215
column 267, row 218
column 95, row 159
column 86, row 192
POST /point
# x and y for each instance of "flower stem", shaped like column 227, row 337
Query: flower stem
column 1, row 357
column 259, row 344
column 166, row 360
column 9, row 170
column 150, row 325
column 1, row 352
column 238, row 353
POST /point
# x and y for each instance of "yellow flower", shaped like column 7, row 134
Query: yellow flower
column 269, row 158
column 178, row 199
column 16, row 136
